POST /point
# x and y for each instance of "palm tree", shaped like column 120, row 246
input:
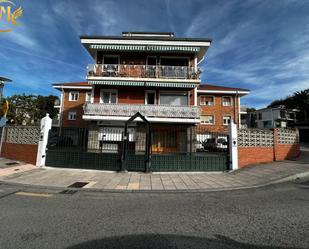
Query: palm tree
column 301, row 99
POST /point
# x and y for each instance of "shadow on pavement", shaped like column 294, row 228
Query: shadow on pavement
column 150, row 241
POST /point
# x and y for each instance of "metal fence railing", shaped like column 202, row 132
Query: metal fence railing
column 182, row 148
column 143, row 71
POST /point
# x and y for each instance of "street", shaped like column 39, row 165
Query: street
column 271, row 217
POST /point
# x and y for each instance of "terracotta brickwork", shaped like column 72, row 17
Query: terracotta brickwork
column 69, row 106
column 219, row 111
column 254, row 155
column 21, row 152
column 286, row 151
column 136, row 95
column 260, row 154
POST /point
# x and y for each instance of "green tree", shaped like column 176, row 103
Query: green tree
column 45, row 104
column 29, row 109
column 299, row 100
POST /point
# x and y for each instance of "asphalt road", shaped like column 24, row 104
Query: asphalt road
column 269, row 217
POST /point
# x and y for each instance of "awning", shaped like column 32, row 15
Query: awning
column 143, row 83
column 145, row 48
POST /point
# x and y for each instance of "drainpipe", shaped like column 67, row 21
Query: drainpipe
column 272, row 118
column 235, row 115
column 61, row 110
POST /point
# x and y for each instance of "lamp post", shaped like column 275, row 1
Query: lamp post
column 5, row 106
column 2, row 80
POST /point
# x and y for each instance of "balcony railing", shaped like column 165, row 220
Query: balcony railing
column 128, row 110
column 143, row 71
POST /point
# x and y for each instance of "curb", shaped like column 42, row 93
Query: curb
column 281, row 180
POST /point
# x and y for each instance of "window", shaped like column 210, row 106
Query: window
column 108, row 96
column 152, row 60
column 176, row 61
column 72, row 115
column 267, row 124
column 150, row 98
column 282, row 114
column 291, row 115
column 207, row 119
column 73, row 96
column 111, row 59
column 260, row 116
column 226, row 101
column 173, row 99
column 226, row 120
column 207, row 100
column 88, row 96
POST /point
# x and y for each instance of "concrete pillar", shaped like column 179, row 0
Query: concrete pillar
column 46, row 124
column 233, row 146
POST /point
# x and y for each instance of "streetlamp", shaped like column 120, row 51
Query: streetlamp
column 5, row 106
column 2, row 80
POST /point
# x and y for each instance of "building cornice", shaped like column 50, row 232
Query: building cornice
column 59, row 87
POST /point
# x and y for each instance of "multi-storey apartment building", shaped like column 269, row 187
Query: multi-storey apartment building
column 155, row 74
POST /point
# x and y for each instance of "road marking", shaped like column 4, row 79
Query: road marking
column 90, row 184
column 33, row 194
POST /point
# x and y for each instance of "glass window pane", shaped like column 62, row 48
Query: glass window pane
column 113, row 98
column 106, row 97
column 150, row 98
column 173, row 99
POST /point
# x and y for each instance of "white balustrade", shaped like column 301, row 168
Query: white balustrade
column 128, row 110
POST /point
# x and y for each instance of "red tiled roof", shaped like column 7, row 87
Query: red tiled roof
column 72, row 84
column 220, row 88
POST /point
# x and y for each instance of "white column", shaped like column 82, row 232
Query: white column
column 233, row 146
column 46, row 124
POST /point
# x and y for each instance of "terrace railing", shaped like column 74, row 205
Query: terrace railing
column 143, row 71
column 128, row 110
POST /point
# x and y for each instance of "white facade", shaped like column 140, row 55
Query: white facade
column 272, row 118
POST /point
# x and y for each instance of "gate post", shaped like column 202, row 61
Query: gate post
column 46, row 123
column 233, row 146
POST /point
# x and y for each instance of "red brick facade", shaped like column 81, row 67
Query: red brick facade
column 136, row 95
column 255, row 155
column 21, row 152
column 219, row 111
column 71, row 106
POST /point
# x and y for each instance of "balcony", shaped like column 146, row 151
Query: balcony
column 143, row 71
column 150, row 111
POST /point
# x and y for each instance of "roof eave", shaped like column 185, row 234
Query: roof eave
column 234, row 92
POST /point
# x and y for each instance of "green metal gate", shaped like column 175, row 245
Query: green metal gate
column 82, row 148
column 183, row 148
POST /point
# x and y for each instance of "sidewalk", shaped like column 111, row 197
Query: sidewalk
column 253, row 176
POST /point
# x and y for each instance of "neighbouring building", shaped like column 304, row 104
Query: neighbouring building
column 219, row 105
column 274, row 117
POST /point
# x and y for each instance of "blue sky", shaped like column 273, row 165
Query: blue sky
column 259, row 45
